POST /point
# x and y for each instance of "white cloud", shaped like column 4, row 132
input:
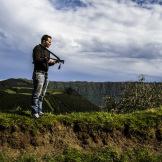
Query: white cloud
column 105, row 37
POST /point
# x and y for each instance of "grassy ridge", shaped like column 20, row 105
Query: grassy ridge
column 143, row 128
column 137, row 120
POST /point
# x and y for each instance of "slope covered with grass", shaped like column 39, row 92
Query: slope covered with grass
column 77, row 137
column 56, row 101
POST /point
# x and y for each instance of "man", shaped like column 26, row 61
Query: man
column 41, row 61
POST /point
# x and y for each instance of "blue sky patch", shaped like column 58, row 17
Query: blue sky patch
column 69, row 4
column 146, row 2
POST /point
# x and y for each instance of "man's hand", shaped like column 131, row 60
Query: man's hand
column 52, row 62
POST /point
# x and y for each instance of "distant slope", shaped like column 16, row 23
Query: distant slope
column 95, row 92
column 17, row 98
column 15, row 83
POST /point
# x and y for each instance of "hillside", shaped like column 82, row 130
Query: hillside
column 95, row 92
column 78, row 137
column 75, row 130
column 15, row 83
column 19, row 98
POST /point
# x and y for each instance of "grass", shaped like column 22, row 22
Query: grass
column 55, row 101
column 137, row 120
column 25, row 118
column 141, row 124
column 103, row 155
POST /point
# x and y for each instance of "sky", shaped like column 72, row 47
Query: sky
column 100, row 40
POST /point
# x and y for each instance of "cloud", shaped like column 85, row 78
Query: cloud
column 2, row 35
column 111, row 40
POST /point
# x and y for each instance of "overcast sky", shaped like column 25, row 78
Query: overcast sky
column 100, row 40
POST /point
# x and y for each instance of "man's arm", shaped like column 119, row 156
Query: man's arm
column 37, row 56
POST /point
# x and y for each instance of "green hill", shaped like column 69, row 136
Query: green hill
column 19, row 98
column 95, row 92
column 15, row 83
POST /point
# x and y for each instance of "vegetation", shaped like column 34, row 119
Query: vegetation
column 95, row 92
column 139, row 120
column 102, row 155
column 56, row 101
column 74, row 130
column 137, row 96
column 133, row 136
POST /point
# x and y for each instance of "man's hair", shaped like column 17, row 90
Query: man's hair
column 45, row 37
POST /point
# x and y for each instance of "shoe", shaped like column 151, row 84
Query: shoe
column 36, row 115
column 41, row 113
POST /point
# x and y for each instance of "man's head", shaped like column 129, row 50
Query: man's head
column 46, row 41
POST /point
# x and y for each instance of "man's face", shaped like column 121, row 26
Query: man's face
column 48, row 42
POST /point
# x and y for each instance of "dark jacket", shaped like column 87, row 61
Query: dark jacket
column 40, row 58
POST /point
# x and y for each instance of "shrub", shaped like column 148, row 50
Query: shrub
column 135, row 96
